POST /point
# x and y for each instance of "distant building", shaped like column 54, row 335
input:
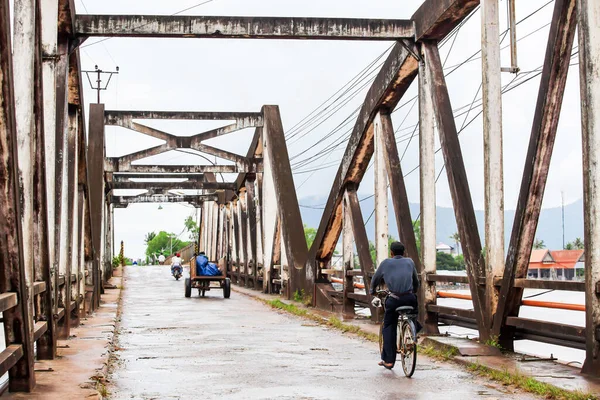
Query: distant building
column 557, row 264
column 444, row 248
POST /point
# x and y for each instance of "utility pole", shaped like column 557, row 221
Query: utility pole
column 512, row 26
column 562, row 200
column 98, row 72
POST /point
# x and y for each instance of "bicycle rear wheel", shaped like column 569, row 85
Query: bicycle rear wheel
column 408, row 353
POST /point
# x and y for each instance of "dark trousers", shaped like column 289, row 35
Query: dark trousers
column 390, row 323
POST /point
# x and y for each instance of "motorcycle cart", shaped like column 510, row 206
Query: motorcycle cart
column 202, row 283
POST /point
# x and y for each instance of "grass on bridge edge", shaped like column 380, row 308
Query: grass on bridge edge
column 505, row 377
column 103, row 382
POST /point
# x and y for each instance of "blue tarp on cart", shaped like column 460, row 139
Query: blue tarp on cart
column 205, row 268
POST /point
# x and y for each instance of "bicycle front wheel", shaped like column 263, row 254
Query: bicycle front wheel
column 408, row 353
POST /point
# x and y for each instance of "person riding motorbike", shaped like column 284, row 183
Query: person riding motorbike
column 176, row 263
column 400, row 276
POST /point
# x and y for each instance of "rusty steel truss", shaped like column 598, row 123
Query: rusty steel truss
column 57, row 201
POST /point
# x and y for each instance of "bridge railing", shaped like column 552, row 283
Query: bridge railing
column 52, row 264
column 551, row 332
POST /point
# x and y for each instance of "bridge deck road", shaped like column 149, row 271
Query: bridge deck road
column 174, row 347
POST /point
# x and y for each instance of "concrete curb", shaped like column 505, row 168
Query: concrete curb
column 364, row 325
column 558, row 375
column 472, row 353
column 105, row 371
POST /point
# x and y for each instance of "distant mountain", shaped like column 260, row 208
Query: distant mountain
column 549, row 226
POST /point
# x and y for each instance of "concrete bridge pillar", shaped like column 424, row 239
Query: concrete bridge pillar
column 589, row 58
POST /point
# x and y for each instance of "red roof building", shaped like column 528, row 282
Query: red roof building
column 557, row 264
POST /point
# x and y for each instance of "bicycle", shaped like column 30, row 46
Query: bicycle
column 406, row 337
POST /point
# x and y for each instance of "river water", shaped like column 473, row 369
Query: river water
column 574, row 357
column 566, row 355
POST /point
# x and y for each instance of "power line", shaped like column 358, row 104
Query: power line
column 506, row 89
column 330, row 148
column 147, row 23
column 103, row 45
column 325, row 152
column 503, row 35
column 351, row 83
column 202, row 156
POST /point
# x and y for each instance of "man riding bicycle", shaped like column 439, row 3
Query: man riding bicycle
column 400, row 275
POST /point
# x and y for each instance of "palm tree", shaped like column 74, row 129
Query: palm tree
column 538, row 244
column 149, row 237
column 578, row 243
column 456, row 237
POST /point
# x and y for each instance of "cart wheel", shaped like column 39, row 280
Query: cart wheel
column 188, row 287
column 227, row 288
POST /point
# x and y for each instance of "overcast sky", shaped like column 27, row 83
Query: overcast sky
column 242, row 75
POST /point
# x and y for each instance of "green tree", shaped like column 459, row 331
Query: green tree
column 417, row 231
column 309, row 235
column 445, row 261
column 460, row 262
column 456, row 237
column 149, row 237
column 539, row 244
column 164, row 243
column 192, row 227
column 578, row 244
column 373, row 251
column 569, row 246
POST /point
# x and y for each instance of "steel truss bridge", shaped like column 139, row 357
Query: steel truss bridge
column 56, row 183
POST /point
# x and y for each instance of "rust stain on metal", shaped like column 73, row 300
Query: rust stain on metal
column 65, row 16
column 391, row 83
column 243, row 27
column 436, row 18
column 543, row 134
column 74, row 88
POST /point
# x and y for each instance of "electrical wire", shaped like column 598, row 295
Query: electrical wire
column 453, row 34
column 352, row 82
column 504, row 33
column 147, row 23
column 506, row 89
column 103, row 45
column 538, row 294
column 204, row 157
column 326, row 152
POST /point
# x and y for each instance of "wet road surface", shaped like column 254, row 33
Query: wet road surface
column 174, row 347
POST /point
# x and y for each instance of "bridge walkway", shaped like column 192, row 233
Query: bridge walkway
column 172, row 347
